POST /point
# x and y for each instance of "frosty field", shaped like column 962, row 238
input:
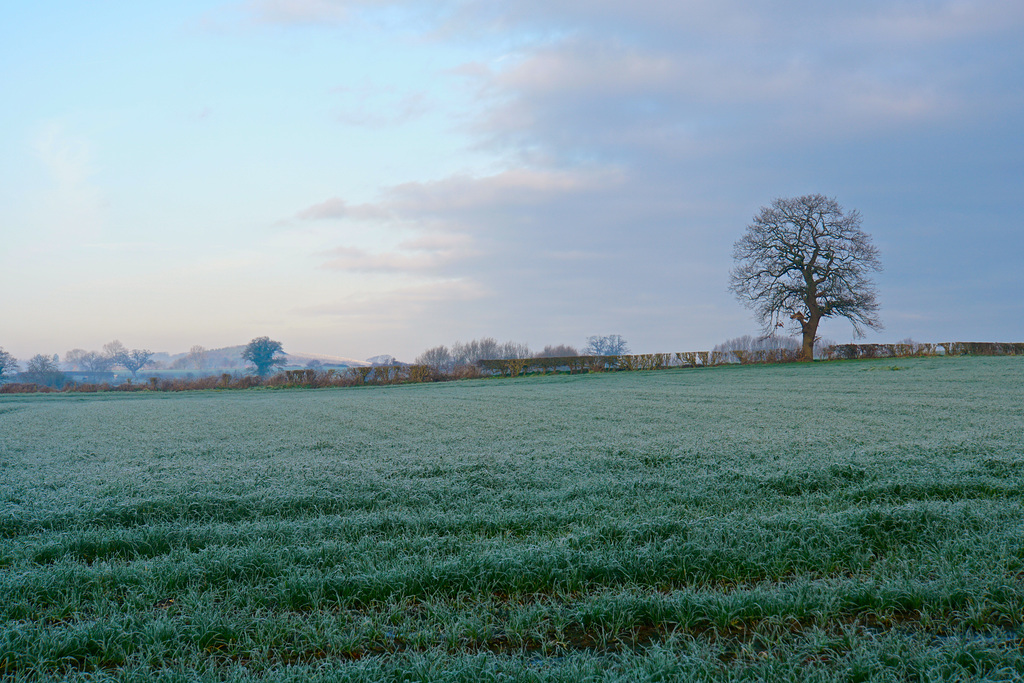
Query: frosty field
column 843, row 521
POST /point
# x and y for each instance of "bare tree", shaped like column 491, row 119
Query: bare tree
column 91, row 361
column 41, row 363
column 439, row 358
column 197, row 357
column 134, row 360
column 511, row 349
column 73, row 359
column 804, row 259
column 487, row 348
column 470, row 352
column 114, row 349
column 7, row 363
column 43, row 369
column 608, row 345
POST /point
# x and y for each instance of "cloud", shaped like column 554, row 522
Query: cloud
column 557, row 247
column 336, row 208
column 451, row 223
column 428, row 253
column 614, row 100
column 791, row 22
column 515, row 190
column 634, row 142
column 943, row 22
column 298, row 12
column 396, row 307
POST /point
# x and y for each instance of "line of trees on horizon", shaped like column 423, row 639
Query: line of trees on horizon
column 742, row 350
column 46, row 370
column 463, row 354
column 262, row 355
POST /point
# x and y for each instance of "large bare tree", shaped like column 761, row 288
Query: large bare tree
column 804, row 259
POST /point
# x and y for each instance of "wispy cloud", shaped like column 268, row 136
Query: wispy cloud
column 425, row 254
column 337, row 208
column 637, row 140
column 395, row 307
column 298, row 12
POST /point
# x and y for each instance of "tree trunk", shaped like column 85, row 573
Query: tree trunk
column 809, row 324
column 810, row 330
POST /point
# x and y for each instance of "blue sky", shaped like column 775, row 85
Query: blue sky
column 356, row 178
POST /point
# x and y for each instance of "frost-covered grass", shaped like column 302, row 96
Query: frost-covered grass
column 842, row 521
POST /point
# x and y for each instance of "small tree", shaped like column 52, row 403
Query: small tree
column 134, row 360
column 8, row 363
column 487, row 348
column 805, row 259
column 262, row 352
column 73, row 359
column 91, row 361
column 41, row 363
column 197, row 357
column 88, row 361
column 439, row 358
column 470, row 352
column 511, row 349
column 42, row 369
column 114, row 349
column 609, row 345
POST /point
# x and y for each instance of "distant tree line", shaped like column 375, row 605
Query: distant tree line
column 738, row 346
column 45, row 369
column 443, row 359
column 41, row 369
column 464, row 354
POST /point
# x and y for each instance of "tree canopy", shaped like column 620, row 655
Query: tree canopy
column 262, row 352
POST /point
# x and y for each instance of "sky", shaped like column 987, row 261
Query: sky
column 363, row 177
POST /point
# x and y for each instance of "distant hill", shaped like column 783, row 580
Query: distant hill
column 304, row 358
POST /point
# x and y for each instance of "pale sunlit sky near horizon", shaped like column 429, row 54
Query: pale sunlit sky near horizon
column 381, row 176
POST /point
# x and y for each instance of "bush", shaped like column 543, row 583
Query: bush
column 25, row 388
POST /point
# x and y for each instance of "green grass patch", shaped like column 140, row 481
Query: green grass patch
column 791, row 522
